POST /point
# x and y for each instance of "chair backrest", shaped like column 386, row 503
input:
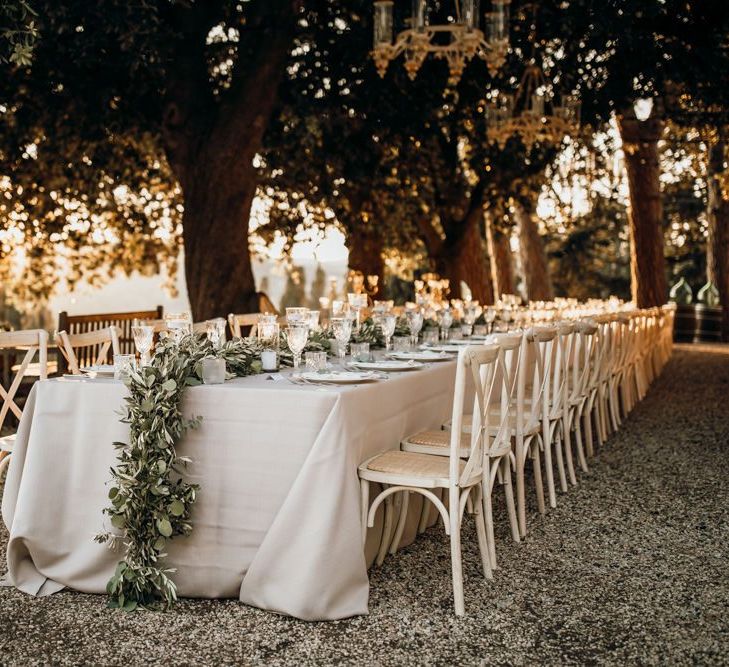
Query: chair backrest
column 87, row 349
column 33, row 341
column 538, row 348
column 79, row 324
column 583, row 358
column 559, row 390
column 236, row 322
column 476, row 365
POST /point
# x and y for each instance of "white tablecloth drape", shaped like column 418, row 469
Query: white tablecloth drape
column 277, row 518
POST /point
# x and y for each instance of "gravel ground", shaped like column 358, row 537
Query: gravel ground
column 631, row 568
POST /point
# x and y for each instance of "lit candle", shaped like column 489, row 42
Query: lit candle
column 268, row 360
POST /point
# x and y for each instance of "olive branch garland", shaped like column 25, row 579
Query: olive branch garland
column 151, row 502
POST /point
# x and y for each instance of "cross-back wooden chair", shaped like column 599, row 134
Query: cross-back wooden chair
column 460, row 478
column 33, row 342
column 238, row 322
column 78, row 324
column 88, row 349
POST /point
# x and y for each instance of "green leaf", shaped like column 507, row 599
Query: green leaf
column 164, row 527
column 170, row 385
column 147, row 405
column 160, row 543
column 118, row 521
column 177, row 508
column 112, row 492
column 130, row 605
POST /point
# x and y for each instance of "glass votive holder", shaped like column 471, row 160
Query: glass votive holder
column 269, row 360
column 124, row 364
column 315, row 361
column 455, row 333
column 480, row 330
column 401, row 343
column 360, row 351
column 466, row 330
column 213, row 370
column 430, row 336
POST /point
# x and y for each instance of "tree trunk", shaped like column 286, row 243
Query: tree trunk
column 533, row 255
column 502, row 267
column 211, row 143
column 717, row 246
column 462, row 257
column 645, row 216
column 215, row 232
column 365, row 252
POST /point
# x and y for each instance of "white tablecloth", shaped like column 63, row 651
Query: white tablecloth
column 277, row 519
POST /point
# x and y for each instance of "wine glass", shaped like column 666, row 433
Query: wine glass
column 143, row 339
column 313, row 319
column 387, row 322
column 490, row 317
column 415, row 322
column 445, row 319
column 215, row 331
column 294, row 315
column 178, row 325
column 357, row 302
column 297, row 335
column 342, row 329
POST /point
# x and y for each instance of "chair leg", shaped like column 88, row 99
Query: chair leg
column 578, row 441
column 509, row 495
column 560, row 464
column 537, row 465
column 488, row 516
column 424, row 516
column 483, row 546
column 568, row 451
column 550, row 470
column 586, row 420
column 401, row 522
column 364, row 486
column 456, row 565
column 386, row 528
column 520, row 494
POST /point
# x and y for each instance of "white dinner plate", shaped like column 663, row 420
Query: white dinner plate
column 99, row 370
column 392, row 365
column 424, row 355
column 339, row 377
column 450, row 347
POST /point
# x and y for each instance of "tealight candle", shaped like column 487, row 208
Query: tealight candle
column 213, row 370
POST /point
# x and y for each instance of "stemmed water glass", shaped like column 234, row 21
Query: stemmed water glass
column 215, row 331
column 357, row 302
column 297, row 333
column 342, row 330
column 415, row 322
column 445, row 319
column 387, row 322
column 490, row 317
column 178, row 325
column 143, row 339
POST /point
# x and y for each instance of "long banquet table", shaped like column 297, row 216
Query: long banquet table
column 277, row 519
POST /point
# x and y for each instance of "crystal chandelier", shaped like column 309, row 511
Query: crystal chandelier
column 456, row 41
column 531, row 113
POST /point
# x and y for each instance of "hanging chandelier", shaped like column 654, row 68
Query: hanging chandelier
column 456, row 41
column 531, row 113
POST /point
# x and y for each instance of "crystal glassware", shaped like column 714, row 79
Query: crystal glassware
column 357, row 302
column 401, row 343
column 143, row 335
column 297, row 314
column 430, row 336
column 360, row 351
column 313, row 319
column 415, row 322
column 215, row 331
column 297, row 333
column 445, row 319
column 316, row 361
column 267, row 333
column 178, row 325
column 123, row 365
column 342, row 329
column 490, row 316
column 387, row 322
